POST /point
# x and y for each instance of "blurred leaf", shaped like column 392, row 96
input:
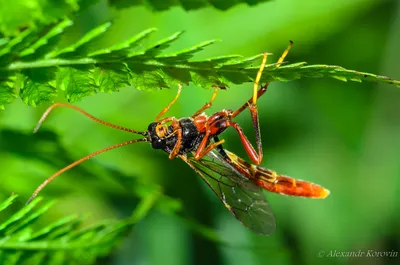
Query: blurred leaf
column 20, row 14
column 62, row 241
column 45, row 146
column 33, row 63
column 160, row 5
column 7, row 94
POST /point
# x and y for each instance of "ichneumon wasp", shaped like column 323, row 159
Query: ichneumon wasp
column 195, row 140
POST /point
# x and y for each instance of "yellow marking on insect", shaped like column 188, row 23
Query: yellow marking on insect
column 294, row 183
column 274, row 174
column 227, row 205
column 284, row 54
column 254, row 169
column 258, row 77
column 160, row 130
column 264, row 174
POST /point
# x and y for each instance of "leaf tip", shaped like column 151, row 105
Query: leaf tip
column 341, row 78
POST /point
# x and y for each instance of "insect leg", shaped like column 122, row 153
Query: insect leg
column 208, row 104
column 202, row 146
column 258, row 77
column 256, row 157
column 171, row 103
column 251, row 104
column 165, row 120
column 208, row 149
column 221, row 149
column 263, row 89
column 285, row 53
column 178, row 132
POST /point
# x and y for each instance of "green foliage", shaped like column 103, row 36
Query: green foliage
column 32, row 13
column 35, row 68
column 63, row 241
column 159, row 5
column 38, row 61
column 36, row 13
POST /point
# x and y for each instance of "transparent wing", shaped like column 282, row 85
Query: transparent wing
column 243, row 198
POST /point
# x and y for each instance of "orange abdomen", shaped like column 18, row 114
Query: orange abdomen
column 271, row 181
column 289, row 186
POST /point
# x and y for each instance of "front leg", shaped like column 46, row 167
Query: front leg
column 170, row 104
column 199, row 152
column 178, row 131
column 208, row 104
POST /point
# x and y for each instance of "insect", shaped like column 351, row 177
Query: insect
column 195, row 140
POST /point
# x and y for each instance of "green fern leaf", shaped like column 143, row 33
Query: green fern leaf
column 3, row 41
column 63, row 241
column 159, row 5
column 7, row 93
column 15, row 15
column 12, row 44
column 33, row 66
column 45, row 42
column 80, row 47
column 121, row 50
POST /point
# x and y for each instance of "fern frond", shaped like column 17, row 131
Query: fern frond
column 39, row 12
column 63, row 241
column 187, row 5
column 15, row 15
column 34, row 68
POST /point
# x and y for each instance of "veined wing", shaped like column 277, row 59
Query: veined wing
column 243, row 198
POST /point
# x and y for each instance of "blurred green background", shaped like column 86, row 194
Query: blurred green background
column 344, row 136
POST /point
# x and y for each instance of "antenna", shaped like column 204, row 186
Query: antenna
column 46, row 113
column 51, row 178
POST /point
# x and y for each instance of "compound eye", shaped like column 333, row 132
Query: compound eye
column 158, row 143
column 152, row 126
